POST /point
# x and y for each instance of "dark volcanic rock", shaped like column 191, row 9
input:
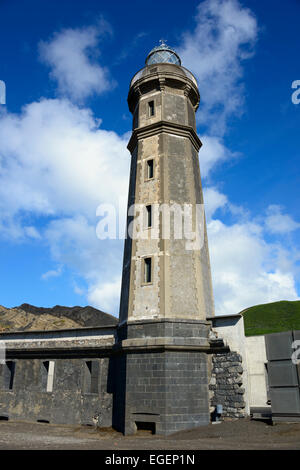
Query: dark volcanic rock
column 84, row 316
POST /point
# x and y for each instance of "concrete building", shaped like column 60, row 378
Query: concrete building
column 59, row 377
column 163, row 366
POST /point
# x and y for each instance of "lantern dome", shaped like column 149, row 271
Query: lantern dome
column 163, row 54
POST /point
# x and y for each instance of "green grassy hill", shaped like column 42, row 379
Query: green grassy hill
column 272, row 318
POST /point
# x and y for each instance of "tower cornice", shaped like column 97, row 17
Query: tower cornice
column 163, row 75
column 167, row 127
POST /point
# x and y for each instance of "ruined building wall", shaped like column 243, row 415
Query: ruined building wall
column 78, row 395
column 226, row 385
column 62, row 377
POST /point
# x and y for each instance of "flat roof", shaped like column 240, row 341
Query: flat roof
column 84, row 328
column 232, row 315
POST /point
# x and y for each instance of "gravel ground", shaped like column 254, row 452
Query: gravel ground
column 236, row 435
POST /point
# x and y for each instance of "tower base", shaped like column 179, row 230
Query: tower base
column 164, row 376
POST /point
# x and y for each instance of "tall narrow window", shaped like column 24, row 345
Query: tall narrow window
column 147, row 270
column 148, row 216
column 150, row 169
column 91, row 377
column 9, row 375
column 151, row 108
column 267, row 380
column 48, row 375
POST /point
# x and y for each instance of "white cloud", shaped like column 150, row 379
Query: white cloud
column 71, row 55
column 246, row 270
column 56, row 160
column 212, row 153
column 106, row 295
column 213, row 200
column 32, row 232
column 52, row 273
column 224, row 36
column 73, row 243
column 277, row 222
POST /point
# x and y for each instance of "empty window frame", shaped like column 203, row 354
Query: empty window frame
column 147, row 270
column 91, row 377
column 151, row 109
column 267, row 380
column 146, row 426
column 148, row 216
column 48, row 375
column 8, row 375
column 150, row 169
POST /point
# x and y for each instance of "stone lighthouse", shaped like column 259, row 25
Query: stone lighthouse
column 163, row 348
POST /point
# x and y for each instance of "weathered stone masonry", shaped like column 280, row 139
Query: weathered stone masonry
column 82, row 385
column 164, row 379
column 160, row 364
column 226, row 384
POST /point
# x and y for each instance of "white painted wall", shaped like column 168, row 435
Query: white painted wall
column 256, row 359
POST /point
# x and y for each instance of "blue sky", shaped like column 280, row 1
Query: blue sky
column 64, row 130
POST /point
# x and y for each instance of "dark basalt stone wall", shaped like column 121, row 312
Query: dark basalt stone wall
column 162, row 387
column 72, row 401
column 226, row 384
column 167, row 388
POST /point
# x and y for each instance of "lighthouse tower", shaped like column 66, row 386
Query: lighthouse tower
column 166, row 296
